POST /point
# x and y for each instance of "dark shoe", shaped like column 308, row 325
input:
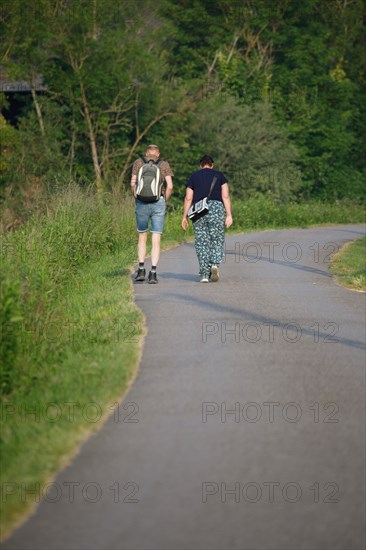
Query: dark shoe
column 140, row 275
column 153, row 278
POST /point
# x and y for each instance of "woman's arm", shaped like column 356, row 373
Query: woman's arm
column 187, row 204
column 225, row 195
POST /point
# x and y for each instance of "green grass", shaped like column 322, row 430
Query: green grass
column 262, row 213
column 349, row 265
column 93, row 342
column 70, row 333
column 70, row 330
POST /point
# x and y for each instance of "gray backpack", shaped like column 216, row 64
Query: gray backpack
column 149, row 181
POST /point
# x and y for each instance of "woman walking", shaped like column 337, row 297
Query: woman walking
column 209, row 230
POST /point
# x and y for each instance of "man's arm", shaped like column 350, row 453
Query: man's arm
column 135, row 169
column 133, row 183
column 169, row 187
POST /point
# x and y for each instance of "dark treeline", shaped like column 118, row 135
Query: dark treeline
column 273, row 89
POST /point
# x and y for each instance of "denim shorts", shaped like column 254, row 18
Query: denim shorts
column 154, row 211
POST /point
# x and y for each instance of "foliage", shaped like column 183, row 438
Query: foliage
column 251, row 147
column 119, row 75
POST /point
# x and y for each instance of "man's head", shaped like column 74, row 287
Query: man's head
column 152, row 151
column 206, row 161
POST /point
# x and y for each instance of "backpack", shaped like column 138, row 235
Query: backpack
column 149, row 181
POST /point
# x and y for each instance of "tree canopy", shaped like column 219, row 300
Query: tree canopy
column 273, row 89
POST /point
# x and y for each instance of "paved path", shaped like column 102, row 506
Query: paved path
column 250, row 409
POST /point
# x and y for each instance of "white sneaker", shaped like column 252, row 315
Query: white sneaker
column 214, row 273
column 204, row 280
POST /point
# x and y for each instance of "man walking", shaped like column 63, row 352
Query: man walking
column 148, row 176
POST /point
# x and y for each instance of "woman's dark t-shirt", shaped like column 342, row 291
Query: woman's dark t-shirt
column 200, row 183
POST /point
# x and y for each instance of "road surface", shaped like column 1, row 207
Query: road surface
column 245, row 427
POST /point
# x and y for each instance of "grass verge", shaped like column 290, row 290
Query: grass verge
column 96, row 340
column 349, row 265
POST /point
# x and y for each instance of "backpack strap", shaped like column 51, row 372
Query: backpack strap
column 156, row 162
column 212, row 186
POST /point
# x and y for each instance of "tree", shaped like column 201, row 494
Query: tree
column 250, row 147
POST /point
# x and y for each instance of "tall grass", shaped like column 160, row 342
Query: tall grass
column 260, row 212
column 70, row 331
column 43, row 256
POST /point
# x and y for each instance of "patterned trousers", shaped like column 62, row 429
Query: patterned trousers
column 209, row 233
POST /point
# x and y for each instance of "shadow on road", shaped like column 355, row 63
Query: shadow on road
column 254, row 259
column 351, row 231
column 179, row 276
column 250, row 316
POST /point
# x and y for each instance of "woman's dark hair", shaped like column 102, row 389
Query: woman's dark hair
column 206, row 159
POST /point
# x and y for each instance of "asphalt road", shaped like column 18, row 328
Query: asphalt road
column 245, row 428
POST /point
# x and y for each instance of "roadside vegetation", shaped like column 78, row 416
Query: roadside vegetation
column 349, row 265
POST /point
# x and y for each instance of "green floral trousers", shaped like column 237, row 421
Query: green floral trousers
column 209, row 233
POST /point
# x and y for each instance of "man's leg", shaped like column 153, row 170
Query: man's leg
column 141, row 247
column 157, row 224
column 141, row 250
column 142, row 222
column 155, row 251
